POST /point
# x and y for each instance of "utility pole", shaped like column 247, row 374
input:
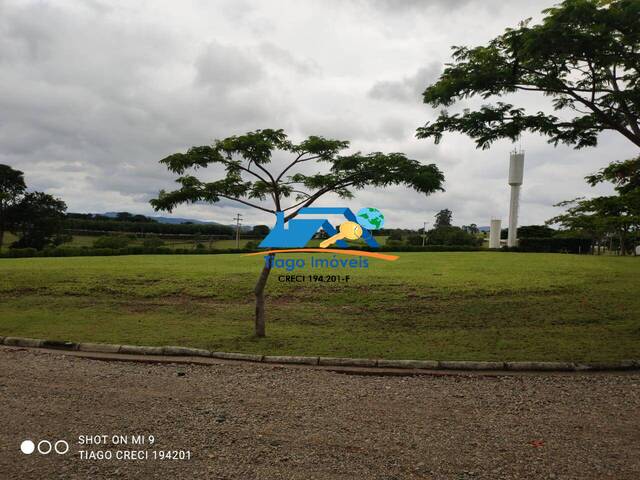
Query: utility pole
column 238, row 220
column 424, row 234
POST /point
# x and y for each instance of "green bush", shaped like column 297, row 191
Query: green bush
column 152, row 242
column 554, row 244
column 447, row 235
column 113, row 242
column 141, row 250
column 251, row 245
column 394, row 242
column 102, row 224
column 20, row 253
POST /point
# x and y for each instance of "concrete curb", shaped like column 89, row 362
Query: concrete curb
column 140, row 350
column 347, row 362
column 471, row 365
column 186, row 352
column 541, row 366
column 247, row 357
column 294, row 360
column 98, row 347
column 419, row 364
column 22, row 342
column 324, row 361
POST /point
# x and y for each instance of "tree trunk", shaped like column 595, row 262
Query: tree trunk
column 259, row 291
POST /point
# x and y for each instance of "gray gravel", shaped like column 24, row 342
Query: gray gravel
column 263, row 422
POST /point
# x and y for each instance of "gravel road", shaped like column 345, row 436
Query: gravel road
column 249, row 422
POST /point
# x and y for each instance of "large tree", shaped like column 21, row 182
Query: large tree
column 443, row 218
column 585, row 56
column 12, row 188
column 38, row 219
column 250, row 179
column 613, row 216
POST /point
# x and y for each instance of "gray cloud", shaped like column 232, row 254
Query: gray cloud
column 407, row 89
column 226, row 66
column 94, row 94
column 284, row 58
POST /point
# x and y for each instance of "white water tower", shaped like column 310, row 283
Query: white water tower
column 516, row 170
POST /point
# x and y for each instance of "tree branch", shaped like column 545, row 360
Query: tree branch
column 633, row 123
column 297, row 160
column 305, row 203
column 247, row 203
column 246, row 169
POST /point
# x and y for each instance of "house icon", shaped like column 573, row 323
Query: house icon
column 297, row 232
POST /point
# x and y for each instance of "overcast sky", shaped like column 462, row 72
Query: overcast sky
column 94, row 93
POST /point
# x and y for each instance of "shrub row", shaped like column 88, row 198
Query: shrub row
column 103, row 252
column 427, row 248
column 140, row 250
column 97, row 225
column 553, row 245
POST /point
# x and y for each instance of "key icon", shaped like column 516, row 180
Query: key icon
column 347, row 231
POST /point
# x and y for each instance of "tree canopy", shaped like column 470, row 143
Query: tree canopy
column 249, row 178
column 612, row 216
column 12, row 187
column 585, row 55
column 443, row 218
column 38, row 219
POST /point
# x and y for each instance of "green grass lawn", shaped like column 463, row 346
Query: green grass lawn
column 454, row 306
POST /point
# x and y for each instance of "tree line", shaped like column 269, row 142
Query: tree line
column 40, row 220
column 36, row 217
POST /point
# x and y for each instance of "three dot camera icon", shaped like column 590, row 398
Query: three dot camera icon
column 44, row 447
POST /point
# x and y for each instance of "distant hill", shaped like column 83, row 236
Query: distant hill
column 171, row 220
column 181, row 221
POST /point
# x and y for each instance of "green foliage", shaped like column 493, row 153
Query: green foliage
column 12, row 187
column 584, row 55
column 443, row 218
column 608, row 216
column 111, row 241
column 38, row 219
column 108, row 252
column 395, row 235
column 152, row 242
column 472, row 229
column 260, row 231
column 414, row 239
column 246, row 159
column 447, row 235
column 129, row 217
column 105, row 224
column 251, row 245
column 554, row 244
column 625, row 176
column 535, row 231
